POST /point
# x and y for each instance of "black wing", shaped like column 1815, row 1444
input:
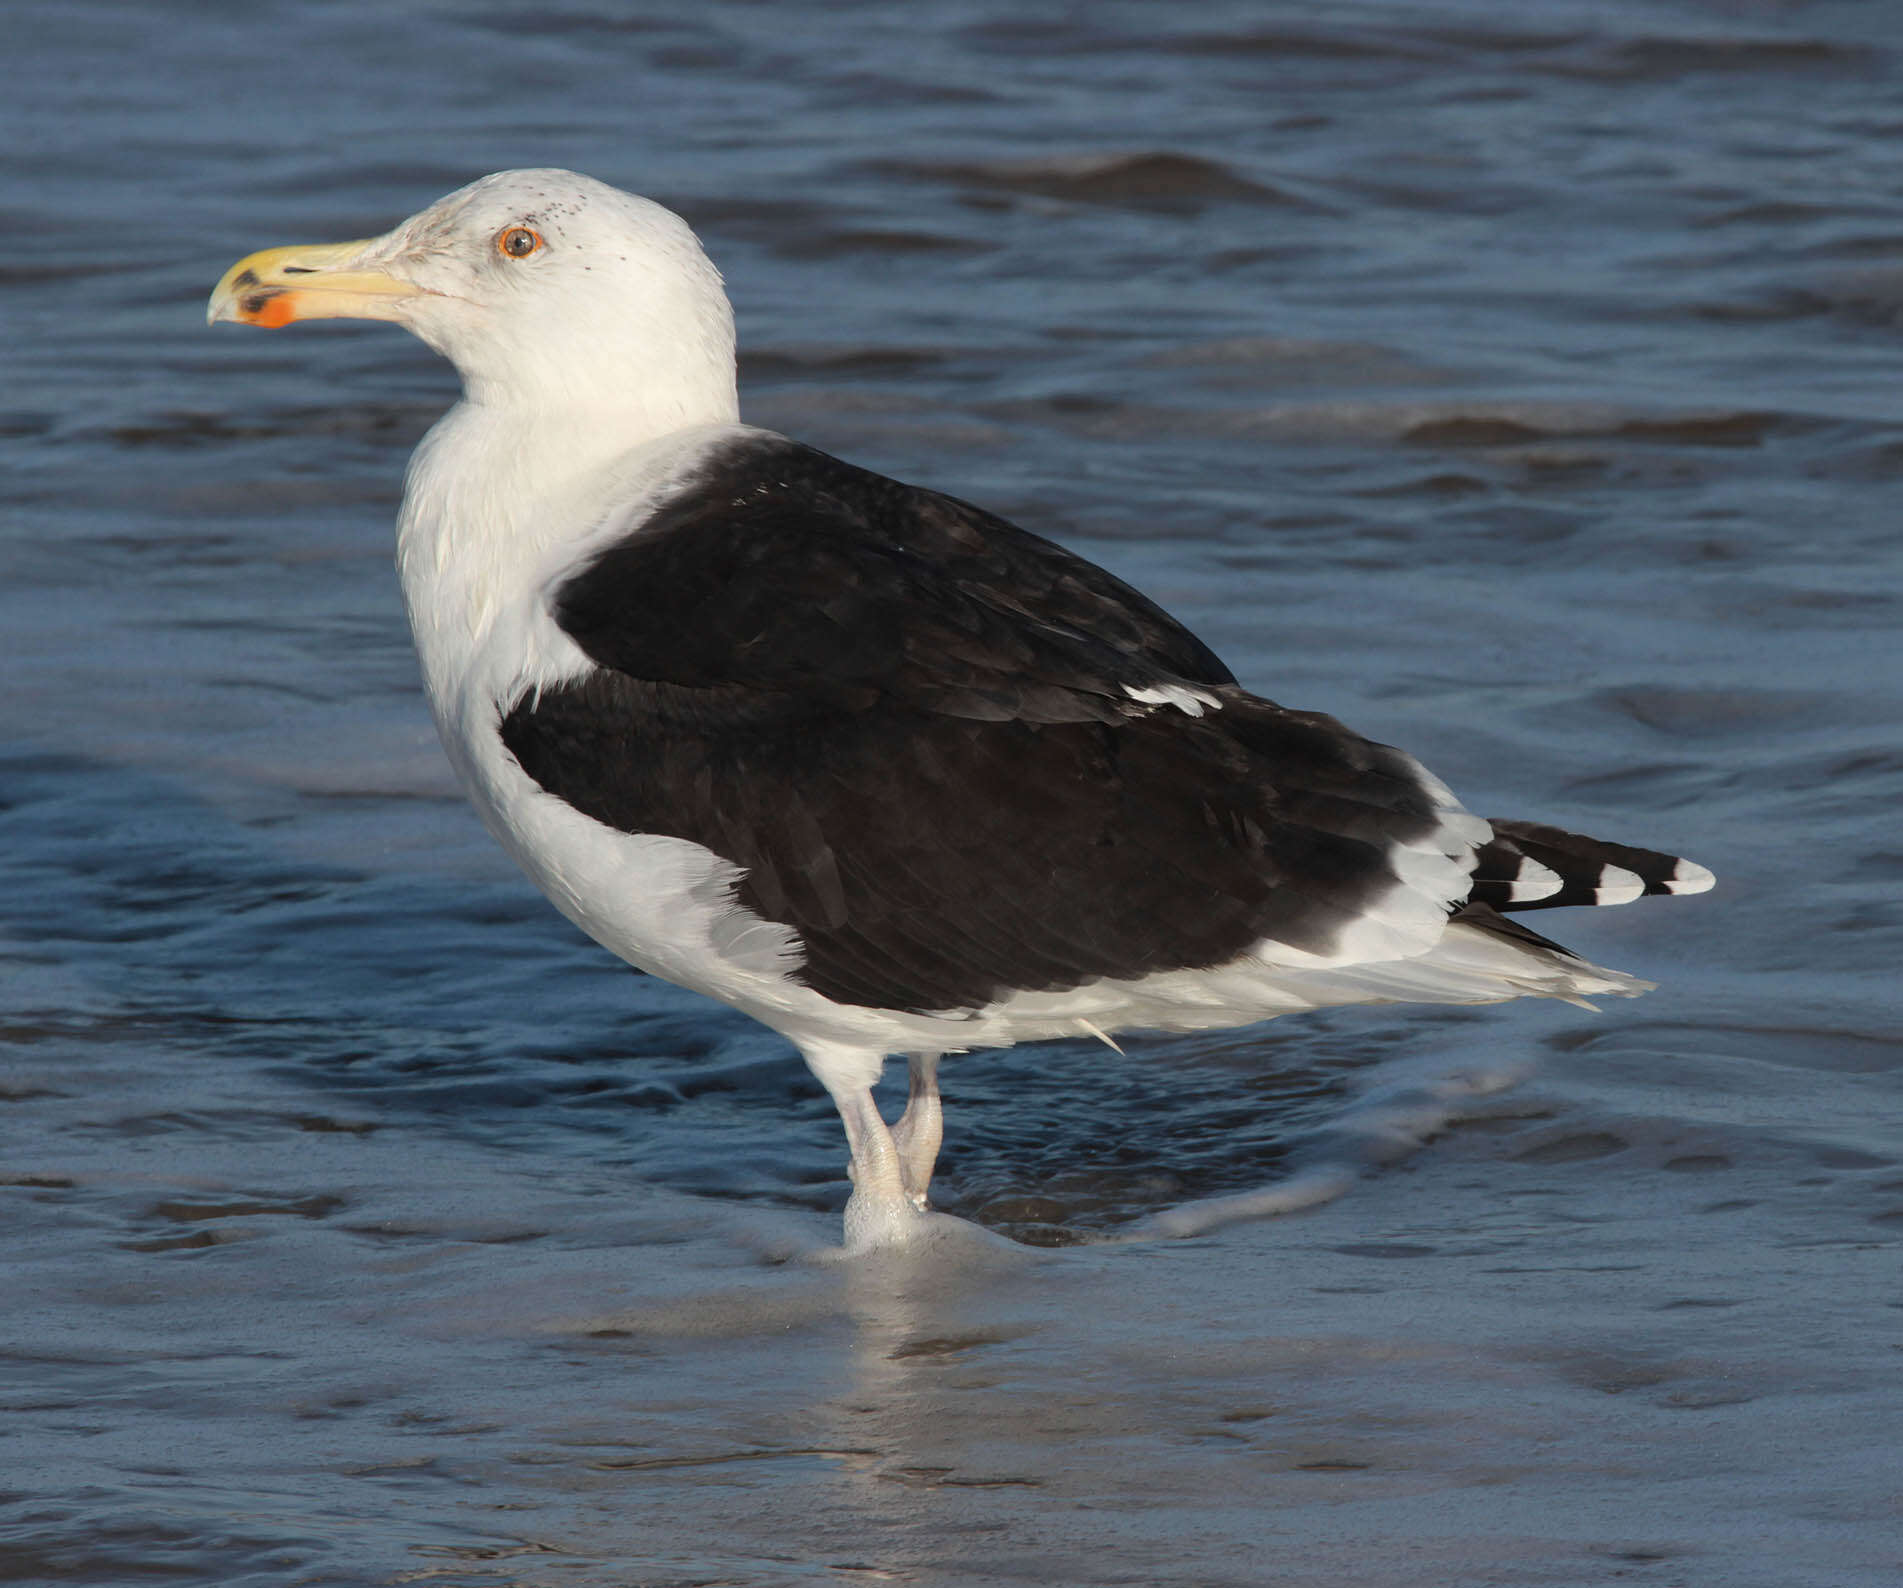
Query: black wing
column 910, row 724
column 785, row 570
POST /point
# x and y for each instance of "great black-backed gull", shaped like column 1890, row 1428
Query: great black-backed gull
column 884, row 771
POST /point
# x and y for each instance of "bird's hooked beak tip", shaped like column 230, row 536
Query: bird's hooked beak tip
column 307, row 282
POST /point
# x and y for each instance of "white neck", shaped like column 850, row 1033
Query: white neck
column 496, row 503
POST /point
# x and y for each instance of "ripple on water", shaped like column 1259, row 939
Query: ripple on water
column 1515, row 382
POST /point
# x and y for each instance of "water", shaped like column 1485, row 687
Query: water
column 1519, row 386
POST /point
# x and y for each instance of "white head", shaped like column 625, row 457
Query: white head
column 550, row 292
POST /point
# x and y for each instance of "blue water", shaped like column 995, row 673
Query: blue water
column 1520, row 385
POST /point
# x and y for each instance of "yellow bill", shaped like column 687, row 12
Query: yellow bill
column 306, row 282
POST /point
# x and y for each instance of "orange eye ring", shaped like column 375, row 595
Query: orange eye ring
column 518, row 242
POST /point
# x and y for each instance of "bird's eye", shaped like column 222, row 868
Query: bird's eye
column 518, row 242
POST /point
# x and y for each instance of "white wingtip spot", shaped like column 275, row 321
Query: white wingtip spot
column 1616, row 885
column 1689, row 877
column 1534, row 881
column 1181, row 696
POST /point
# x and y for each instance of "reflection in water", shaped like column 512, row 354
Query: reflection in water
column 924, row 1322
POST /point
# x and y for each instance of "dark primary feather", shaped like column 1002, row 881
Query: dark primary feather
column 907, row 721
column 1591, row 870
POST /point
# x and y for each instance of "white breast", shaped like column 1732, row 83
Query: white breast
column 496, row 515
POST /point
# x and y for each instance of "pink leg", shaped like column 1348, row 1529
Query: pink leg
column 920, row 1129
